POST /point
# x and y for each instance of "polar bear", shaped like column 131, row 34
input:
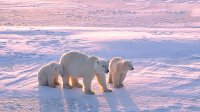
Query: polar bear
column 77, row 65
column 118, row 70
column 48, row 74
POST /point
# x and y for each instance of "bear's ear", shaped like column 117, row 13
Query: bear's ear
column 124, row 62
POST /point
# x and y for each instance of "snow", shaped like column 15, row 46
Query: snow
column 165, row 53
column 166, row 75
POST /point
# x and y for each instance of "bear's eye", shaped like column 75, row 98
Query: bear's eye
column 104, row 66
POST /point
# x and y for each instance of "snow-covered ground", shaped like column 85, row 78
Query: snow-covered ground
column 106, row 13
column 166, row 75
column 161, row 37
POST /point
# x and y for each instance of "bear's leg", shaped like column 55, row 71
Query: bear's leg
column 75, row 82
column 115, row 78
column 122, row 77
column 43, row 83
column 87, row 85
column 102, row 82
column 42, row 79
column 56, row 80
column 51, row 81
column 66, row 84
column 110, row 77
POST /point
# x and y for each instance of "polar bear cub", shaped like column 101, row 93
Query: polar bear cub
column 48, row 74
column 118, row 70
column 77, row 65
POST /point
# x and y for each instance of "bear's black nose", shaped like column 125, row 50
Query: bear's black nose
column 107, row 71
column 132, row 68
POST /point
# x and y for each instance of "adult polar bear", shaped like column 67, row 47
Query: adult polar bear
column 76, row 65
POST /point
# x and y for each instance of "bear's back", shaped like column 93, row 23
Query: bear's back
column 114, row 61
column 75, row 63
column 73, row 57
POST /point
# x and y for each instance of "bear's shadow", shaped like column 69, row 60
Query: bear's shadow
column 77, row 101
column 60, row 99
column 120, row 100
column 50, row 99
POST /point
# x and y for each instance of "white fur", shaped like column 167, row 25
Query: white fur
column 77, row 65
column 118, row 70
column 48, row 74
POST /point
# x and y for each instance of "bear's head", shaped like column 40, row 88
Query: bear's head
column 102, row 66
column 128, row 65
column 58, row 68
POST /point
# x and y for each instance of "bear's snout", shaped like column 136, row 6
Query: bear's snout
column 107, row 71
